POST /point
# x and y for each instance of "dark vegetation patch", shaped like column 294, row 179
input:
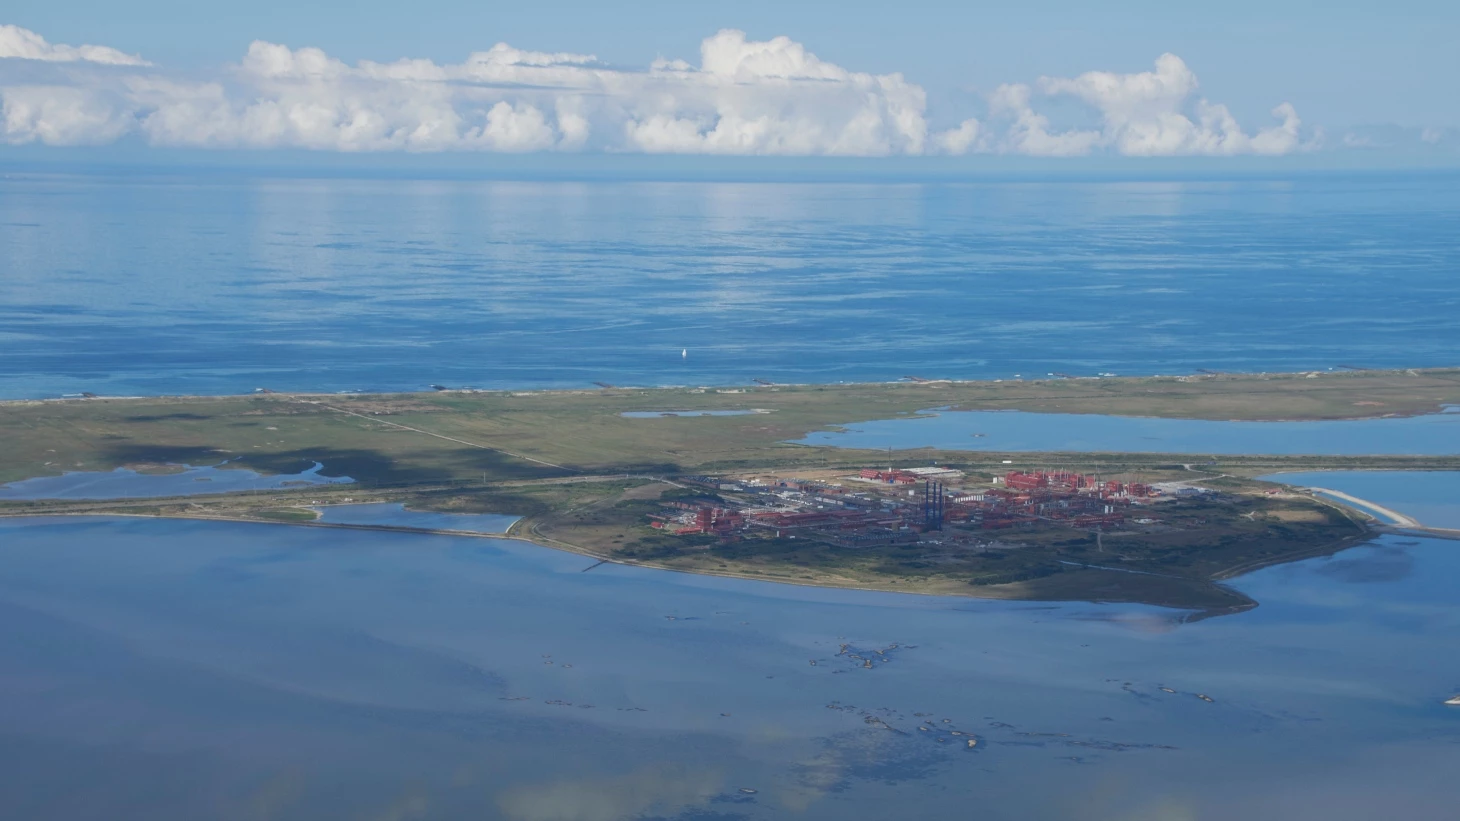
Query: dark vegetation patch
column 366, row 466
column 1034, row 570
column 131, row 454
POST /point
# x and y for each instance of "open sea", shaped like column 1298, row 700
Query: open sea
column 166, row 670
column 212, row 282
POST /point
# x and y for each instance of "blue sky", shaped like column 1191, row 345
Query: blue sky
column 1360, row 76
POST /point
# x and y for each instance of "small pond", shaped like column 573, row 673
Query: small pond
column 124, row 483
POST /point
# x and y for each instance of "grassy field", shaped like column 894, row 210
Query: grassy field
column 496, row 435
column 584, row 477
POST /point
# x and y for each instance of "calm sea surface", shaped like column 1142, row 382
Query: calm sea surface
column 180, row 670
column 217, row 283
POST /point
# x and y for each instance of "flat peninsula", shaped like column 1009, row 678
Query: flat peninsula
column 719, row 493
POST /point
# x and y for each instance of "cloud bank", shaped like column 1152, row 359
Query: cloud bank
column 745, row 97
column 23, row 44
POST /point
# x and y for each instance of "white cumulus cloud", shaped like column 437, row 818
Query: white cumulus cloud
column 960, row 140
column 19, row 43
column 1147, row 114
column 771, row 97
column 1029, row 133
column 59, row 115
column 745, row 96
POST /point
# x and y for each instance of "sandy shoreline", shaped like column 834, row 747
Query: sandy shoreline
column 929, row 384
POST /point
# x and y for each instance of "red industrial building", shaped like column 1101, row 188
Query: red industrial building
column 1072, row 482
column 711, row 520
column 892, row 477
column 1026, row 498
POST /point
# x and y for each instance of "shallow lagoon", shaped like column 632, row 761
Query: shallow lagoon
column 124, row 483
column 1049, row 432
column 203, row 669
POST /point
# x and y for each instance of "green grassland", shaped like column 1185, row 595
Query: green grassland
column 585, row 478
column 582, row 431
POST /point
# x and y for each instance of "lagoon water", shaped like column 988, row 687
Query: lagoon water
column 123, row 282
column 124, row 483
column 1434, row 434
column 177, row 670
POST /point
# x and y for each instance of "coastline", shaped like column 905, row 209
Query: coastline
column 728, row 391
column 1193, row 613
column 576, row 469
column 527, row 529
column 1397, row 519
column 1402, row 523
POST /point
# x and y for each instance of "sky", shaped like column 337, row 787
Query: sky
column 1040, row 79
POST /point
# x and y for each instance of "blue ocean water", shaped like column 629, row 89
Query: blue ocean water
column 187, row 670
column 137, row 283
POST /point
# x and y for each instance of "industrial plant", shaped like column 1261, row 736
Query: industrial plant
column 878, row 507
